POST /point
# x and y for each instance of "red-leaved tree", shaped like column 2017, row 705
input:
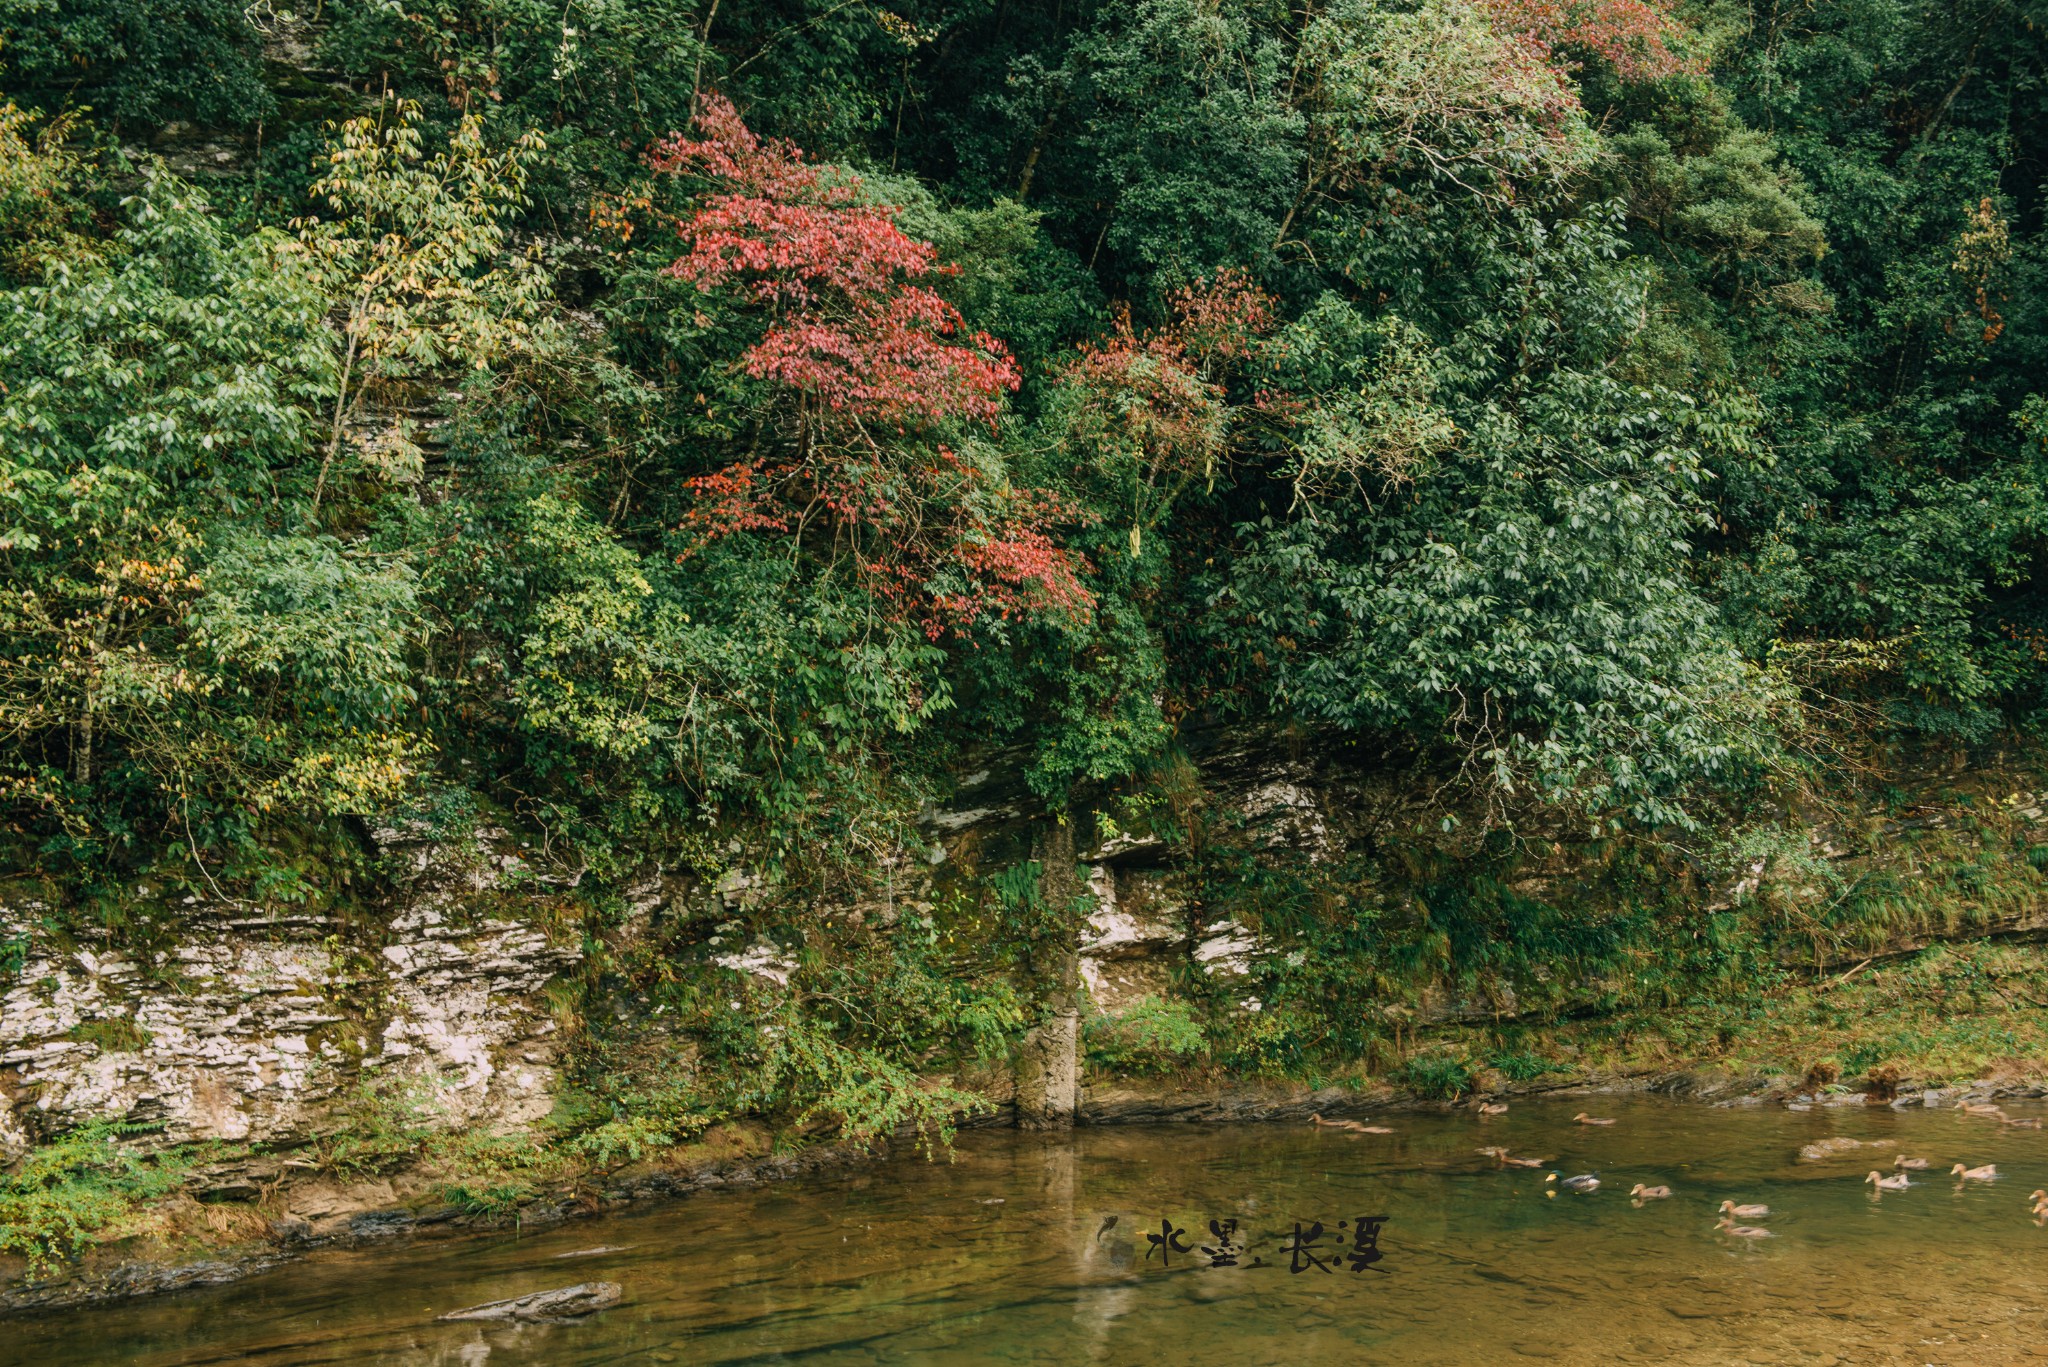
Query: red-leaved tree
column 849, row 329
column 1632, row 36
column 1147, row 412
column 864, row 366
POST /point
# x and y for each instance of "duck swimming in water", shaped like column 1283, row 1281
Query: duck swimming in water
column 1493, row 1108
column 1503, row 1158
column 1915, row 1164
column 1585, row 1119
column 1643, row 1193
column 1583, row 1183
column 1729, row 1208
column 1884, row 1183
column 1987, row 1173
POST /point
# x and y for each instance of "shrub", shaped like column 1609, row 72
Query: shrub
column 65, row 1194
column 619, row 1142
column 489, row 1202
column 1437, row 1076
column 1519, row 1066
column 113, row 1034
column 1154, row 1036
column 382, row 1125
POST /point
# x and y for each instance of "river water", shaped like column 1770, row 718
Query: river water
column 1002, row 1256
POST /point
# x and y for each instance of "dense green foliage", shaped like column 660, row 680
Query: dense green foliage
column 1604, row 407
column 64, row 1193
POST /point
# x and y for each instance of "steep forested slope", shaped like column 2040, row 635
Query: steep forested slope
column 696, row 434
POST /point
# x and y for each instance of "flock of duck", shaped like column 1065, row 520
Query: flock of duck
column 1730, row 1212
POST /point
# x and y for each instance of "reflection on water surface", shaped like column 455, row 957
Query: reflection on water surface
column 1002, row 1256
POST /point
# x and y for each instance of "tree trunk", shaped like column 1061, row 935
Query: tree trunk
column 1038, row 146
column 81, row 759
column 81, row 754
column 1049, row 1064
column 1049, row 1074
column 348, row 365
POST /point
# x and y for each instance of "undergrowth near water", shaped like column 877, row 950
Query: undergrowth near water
column 1152, row 1036
column 67, row 1194
column 1442, row 968
column 1446, row 965
column 817, row 1003
column 1437, row 1077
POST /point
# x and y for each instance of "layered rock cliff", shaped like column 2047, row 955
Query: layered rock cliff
column 263, row 1027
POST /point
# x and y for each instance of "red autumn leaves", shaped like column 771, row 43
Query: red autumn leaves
column 1155, row 398
column 850, row 328
column 865, row 367
column 1632, row 36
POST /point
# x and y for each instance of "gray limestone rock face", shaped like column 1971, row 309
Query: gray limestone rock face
column 256, row 1025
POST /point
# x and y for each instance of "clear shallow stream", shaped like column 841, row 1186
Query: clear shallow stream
column 1000, row 1257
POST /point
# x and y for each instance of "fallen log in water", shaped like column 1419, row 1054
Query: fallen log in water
column 564, row 1303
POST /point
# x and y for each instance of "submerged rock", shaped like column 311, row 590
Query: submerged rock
column 1822, row 1149
column 563, row 1303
